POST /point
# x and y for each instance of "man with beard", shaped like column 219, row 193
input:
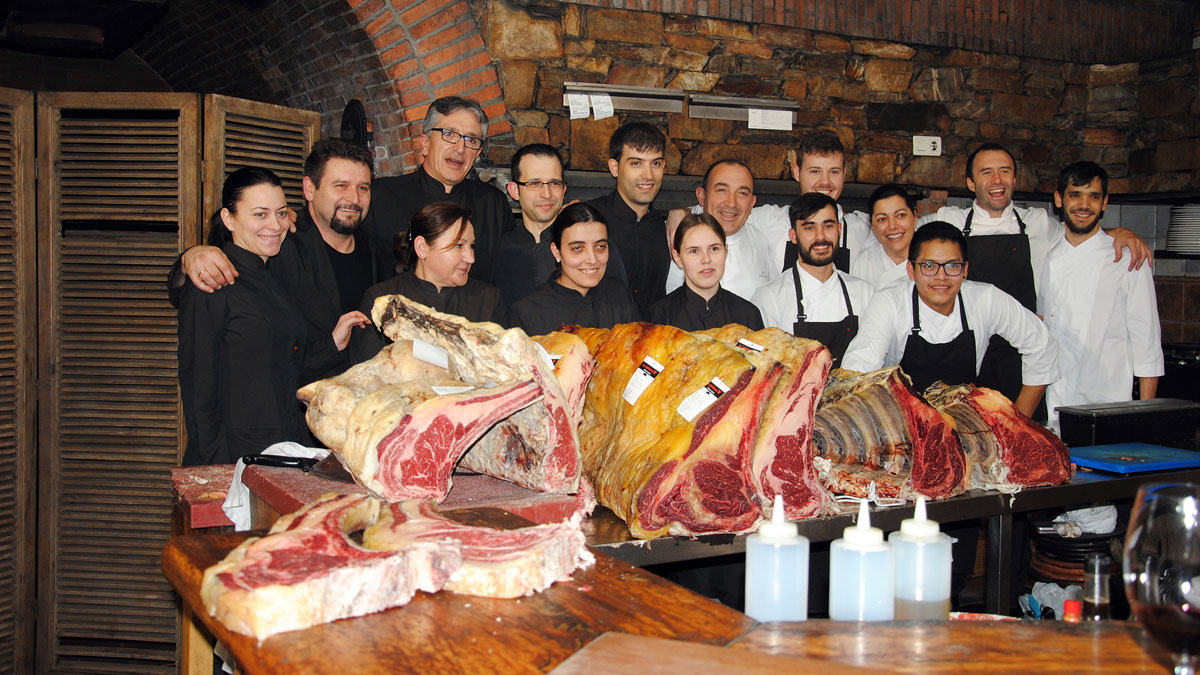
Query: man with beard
column 327, row 264
column 1008, row 247
column 937, row 325
column 1102, row 315
column 728, row 195
column 451, row 139
column 636, row 229
column 523, row 257
column 814, row 299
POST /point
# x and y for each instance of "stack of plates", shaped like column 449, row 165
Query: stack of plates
column 1183, row 236
column 1059, row 558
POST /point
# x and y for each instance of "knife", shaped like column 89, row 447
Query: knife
column 331, row 468
column 305, row 464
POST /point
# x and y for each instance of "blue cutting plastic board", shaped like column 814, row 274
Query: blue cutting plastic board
column 1134, row 457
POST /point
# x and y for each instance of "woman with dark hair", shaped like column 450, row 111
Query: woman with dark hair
column 241, row 347
column 580, row 294
column 434, row 257
column 700, row 303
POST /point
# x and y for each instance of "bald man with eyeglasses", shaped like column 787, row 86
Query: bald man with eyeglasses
column 936, row 326
column 452, row 138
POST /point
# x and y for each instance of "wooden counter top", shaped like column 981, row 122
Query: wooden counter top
column 965, row 646
column 444, row 632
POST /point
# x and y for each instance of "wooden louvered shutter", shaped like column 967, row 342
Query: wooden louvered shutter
column 118, row 195
column 240, row 133
column 18, row 407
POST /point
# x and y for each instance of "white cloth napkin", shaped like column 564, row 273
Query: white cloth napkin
column 237, row 500
column 1092, row 520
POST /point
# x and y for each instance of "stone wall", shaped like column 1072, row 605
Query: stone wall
column 876, row 95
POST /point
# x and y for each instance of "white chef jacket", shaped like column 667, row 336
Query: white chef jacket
column 1104, row 319
column 876, row 268
column 747, row 264
column 774, row 222
column 884, row 328
column 823, row 301
column 1042, row 228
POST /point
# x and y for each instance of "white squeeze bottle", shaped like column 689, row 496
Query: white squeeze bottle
column 922, row 568
column 860, row 573
column 777, row 570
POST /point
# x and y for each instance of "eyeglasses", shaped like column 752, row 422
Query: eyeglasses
column 451, row 136
column 536, row 185
column 928, row 268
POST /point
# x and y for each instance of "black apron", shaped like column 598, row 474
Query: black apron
column 1003, row 261
column 835, row 335
column 841, row 255
column 952, row 362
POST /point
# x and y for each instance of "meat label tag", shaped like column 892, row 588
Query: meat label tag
column 746, row 344
column 446, row 391
column 641, row 378
column 551, row 359
column 431, row 354
column 702, row 398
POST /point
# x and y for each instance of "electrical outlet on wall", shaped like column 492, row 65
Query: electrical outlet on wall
column 927, row 146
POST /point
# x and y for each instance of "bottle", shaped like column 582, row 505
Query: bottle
column 922, row 555
column 861, row 579
column 1095, row 587
column 777, row 570
column 1073, row 605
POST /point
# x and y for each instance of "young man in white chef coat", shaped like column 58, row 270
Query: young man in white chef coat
column 814, row 299
column 937, row 325
column 728, row 195
column 1102, row 315
column 1008, row 246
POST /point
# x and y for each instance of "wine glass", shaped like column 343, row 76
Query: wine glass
column 1162, row 567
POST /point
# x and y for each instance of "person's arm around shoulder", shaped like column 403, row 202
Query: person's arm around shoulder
column 876, row 327
column 1139, row 251
column 208, row 268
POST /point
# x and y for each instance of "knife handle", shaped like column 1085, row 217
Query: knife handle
column 302, row 463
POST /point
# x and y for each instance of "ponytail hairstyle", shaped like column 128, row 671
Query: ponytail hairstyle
column 430, row 222
column 235, row 186
column 692, row 220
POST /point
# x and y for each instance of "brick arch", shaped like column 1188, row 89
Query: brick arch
column 395, row 55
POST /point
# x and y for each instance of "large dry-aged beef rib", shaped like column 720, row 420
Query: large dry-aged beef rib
column 495, row 563
column 782, row 458
column 1007, row 450
column 874, row 428
column 669, row 423
column 538, row 447
column 396, row 427
column 307, row 571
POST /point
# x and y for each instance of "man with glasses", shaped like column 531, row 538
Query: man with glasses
column 451, row 140
column 937, row 325
column 523, row 257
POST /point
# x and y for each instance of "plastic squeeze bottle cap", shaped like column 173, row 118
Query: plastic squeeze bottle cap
column 863, row 534
column 777, row 527
column 919, row 527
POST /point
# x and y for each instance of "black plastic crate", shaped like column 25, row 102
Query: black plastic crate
column 1151, row 421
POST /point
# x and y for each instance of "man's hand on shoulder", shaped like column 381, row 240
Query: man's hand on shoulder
column 674, row 216
column 207, row 267
column 1139, row 252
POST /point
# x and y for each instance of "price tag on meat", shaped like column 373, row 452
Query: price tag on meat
column 447, row 390
column 550, row 359
column 641, row 378
column 701, row 399
column 431, row 354
column 746, row 344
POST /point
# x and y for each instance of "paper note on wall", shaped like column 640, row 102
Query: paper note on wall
column 580, row 108
column 770, row 119
column 602, row 106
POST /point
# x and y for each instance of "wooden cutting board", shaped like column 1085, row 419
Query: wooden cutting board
column 444, row 632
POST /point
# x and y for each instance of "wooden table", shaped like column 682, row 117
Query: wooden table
column 444, row 632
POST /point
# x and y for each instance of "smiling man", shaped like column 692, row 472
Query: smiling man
column 452, row 138
column 937, row 325
column 727, row 195
column 814, row 299
column 1102, row 315
column 635, row 228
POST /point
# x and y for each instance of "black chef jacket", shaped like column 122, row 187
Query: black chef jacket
column 396, row 199
column 474, row 301
column 523, row 264
column 686, row 310
column 553, row 305
column 240, row 351
column 642, row 245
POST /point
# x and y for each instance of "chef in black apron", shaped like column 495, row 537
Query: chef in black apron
column 952, row 362
column 835, row 298
column 841, row 254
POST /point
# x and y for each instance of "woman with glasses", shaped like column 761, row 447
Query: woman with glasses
column 700, row 303
column 581, row 294
column 435, row 258
column 937, row 325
